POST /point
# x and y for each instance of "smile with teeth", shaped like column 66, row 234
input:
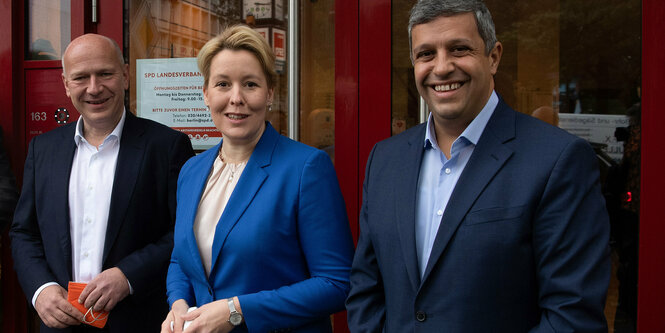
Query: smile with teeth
column 447, row 87
column 98, row 101
column 235, row 116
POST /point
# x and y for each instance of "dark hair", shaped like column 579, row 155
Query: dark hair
column 427, row 10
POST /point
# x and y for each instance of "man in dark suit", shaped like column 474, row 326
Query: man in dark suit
column 483, row 219
column 98, row 202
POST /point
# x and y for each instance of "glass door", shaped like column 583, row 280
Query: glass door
column 164, row 38
column 566, row 63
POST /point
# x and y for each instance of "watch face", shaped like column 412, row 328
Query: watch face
column 235, row 319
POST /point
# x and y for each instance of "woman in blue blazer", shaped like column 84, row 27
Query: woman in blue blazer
column 262, row 240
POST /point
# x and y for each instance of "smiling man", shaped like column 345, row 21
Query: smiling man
column 98, row 202
column 482, row 219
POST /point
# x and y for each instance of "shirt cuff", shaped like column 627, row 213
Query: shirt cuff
column 131, row 290
column 48, row 284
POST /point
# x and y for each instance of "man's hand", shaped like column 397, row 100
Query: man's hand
column 54, row 309
column 105, row 290
column 174, row 318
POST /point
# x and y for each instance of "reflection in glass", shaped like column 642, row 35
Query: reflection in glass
column 48, row 29
column 178, row 29
column 317, row 74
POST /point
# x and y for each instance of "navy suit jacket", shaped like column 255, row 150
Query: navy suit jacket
column 282, row 244
column 139, row 235
column 522, row 245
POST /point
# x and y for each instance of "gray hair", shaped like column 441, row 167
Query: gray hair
column 425, row 11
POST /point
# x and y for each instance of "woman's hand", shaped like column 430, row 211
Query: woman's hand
column 212, row 317
column 178, row 310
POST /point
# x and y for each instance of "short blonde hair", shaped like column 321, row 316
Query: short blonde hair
column 239, row 37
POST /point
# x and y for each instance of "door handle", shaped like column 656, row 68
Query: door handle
column 294, row 71
column 94, row 11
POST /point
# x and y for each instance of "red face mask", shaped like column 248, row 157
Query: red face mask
column 93, row 318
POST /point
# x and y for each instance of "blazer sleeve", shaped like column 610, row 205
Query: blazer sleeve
column 178, row 285
column 27, row 246
column 571, row 237
column 327, row 248
column 366, row 303
column 140, row 266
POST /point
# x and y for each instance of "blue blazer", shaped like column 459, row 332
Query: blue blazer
column 522, row 246
column 139, row 234
column 282, row 244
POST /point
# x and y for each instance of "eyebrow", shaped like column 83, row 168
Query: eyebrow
column 447, row 43
column 245, row 77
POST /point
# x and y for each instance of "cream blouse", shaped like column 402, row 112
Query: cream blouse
column 222, row 180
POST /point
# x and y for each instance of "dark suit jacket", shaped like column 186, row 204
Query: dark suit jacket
column 282, row 244
column 522, row 246
column 139, row 235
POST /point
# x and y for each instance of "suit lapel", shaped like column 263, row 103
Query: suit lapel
column 127, row 170
column 488, row 157
column 405, row 194
column 250, row 182
column 61, row 169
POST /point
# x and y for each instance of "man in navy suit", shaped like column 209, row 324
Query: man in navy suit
column 98, row 202
column 483, row 219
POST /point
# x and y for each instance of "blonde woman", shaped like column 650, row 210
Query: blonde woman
column 262, row 240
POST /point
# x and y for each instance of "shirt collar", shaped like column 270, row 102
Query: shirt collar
column 115, row 134
column 473, row 131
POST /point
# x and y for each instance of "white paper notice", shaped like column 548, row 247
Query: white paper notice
column 170, row 91
column 598, row 128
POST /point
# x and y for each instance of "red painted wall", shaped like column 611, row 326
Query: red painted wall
column 11, row 42
column 651, row 284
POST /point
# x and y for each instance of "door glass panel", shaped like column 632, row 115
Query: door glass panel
column 317, row 74
column 164, row 38
column 48, row 29
column 566, row 62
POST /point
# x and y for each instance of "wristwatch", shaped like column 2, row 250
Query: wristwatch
column 235, row 317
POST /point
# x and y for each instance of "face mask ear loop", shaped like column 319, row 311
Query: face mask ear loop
column 101, row 316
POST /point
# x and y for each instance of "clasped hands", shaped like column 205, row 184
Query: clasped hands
column 103, row 293
column 210, row 318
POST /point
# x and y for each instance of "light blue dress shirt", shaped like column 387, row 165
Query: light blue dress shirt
column 439, row 175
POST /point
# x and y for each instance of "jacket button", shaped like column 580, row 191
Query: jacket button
column 421, row 316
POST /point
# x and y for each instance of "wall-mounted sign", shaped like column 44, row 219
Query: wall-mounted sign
column 279, row 44
column 260, row 9
column 265, row 32
column 263, row 10
column 170, row 91
column 279, row 48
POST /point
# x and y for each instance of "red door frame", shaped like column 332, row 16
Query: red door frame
column 651, row 279
column 362, row 96
column 14, row 304
column 362, row 100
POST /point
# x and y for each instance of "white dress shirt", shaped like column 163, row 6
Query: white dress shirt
column 90, row 188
